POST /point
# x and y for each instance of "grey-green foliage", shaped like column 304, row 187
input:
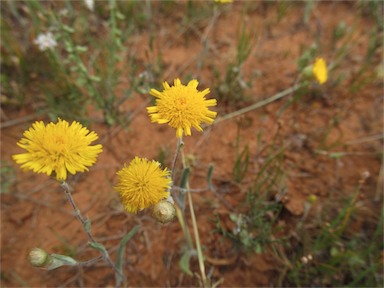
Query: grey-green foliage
column 231, row 88
column 342, row 256
column 7, row 175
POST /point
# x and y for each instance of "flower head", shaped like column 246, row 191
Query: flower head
column 182, row 107
column 58, row 147
column 45, row 41
column 223, row 1
column 142, row 184
column 319, row 70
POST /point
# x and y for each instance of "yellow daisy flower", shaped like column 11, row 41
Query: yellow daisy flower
column 142, row 184
column 223, row 1
column 319, row 70
column 58, row 148
column 182, row 107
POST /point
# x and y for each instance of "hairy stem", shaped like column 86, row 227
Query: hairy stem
column 259, row 104
column 178, row 147
column 88, row 232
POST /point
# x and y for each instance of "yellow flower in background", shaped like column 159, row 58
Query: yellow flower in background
column 319, row 70
column 223, row 1
column 58, row 148
column 142, row 184
column 182, row 107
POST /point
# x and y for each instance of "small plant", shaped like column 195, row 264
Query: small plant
column 240, row 167
column 77, row 73
column 7, row 175
column 231, row 88
column 339, row 254
column 254, row 228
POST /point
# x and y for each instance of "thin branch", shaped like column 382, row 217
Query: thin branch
column 259, row 104
column 91, row 239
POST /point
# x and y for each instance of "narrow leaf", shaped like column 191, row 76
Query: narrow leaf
column 184, row 263
column 123, row 243
column 100, row 247
column 209, row 176
column 183, row 184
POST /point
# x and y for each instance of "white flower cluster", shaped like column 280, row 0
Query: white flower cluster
column 45, row 41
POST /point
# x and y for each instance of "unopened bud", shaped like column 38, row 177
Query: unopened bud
column 39, row 257
column 164, row 211
column 307, row 72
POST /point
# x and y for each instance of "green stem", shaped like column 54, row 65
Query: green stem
column 259, row 104
column 89, row 262
column 197, row 240
column 178, row 147
column 85, row 222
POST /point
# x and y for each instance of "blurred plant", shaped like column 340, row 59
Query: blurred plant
column 307, row 56
column 81, row 69
column 254, row 228
column 373, row 9
column 341, row 255
column 231, row 88
column 339, row 32
column 163, row 155
column 7, row 176
column 240, row 166
column 366, row 73
column 282, row 8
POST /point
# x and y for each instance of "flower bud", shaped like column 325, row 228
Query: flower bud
column 164, row 211
column 307, row 72
column 39, row 258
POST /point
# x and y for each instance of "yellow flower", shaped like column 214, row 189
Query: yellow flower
column 319, row 70
column 182, row 107
column 58, row 148
column 142, row 184
column 223, row 1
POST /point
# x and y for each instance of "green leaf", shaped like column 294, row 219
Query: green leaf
column 58, row 260
column 336, row 155
column 87, row 225
column 94, row 78
column 209, row 176
column 184, row 262
column 184, row 178
column 257, row 248
column 68, row 29
column 123, row 243
column 241, row 164
column 183, row 184
column 120, row 16
column 233, row 217
column 100, row 247
column 81, row 48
